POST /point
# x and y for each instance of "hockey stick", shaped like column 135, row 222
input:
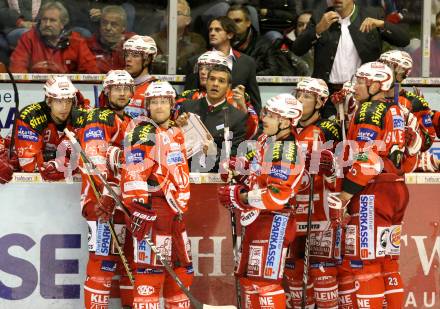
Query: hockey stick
column 228, row 146
column 309, row 225
column 17, row 103
column 112, row 231
column 197, row 304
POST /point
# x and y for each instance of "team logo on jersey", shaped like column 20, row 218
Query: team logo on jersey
column 93, row 133
column 365, row 135
column 279, row 172
column 26, row 134
column 366, row 226
column 275, row 246
column 136, row 156
column 427, row 120
column 174, row 158
column 398, row 122
column 103, row 239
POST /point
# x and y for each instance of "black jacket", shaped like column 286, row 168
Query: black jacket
column 368, row 45
column 215, row 123
column 243, row 73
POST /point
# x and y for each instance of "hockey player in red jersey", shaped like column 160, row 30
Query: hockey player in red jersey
column 237, row 96
column 401, row 63
column 6, row 168
column 101, row 137
column 40, row 137
column 275, row 177
column 325, row 232
column 139, row 53
column 375, row 189
column 155, row 188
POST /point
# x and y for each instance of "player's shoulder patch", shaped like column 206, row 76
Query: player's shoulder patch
column 78, row 117
column 101, row 115
column 285, row 151
column 143, row 135
column 372, row 113
column 36, row 115
column 331, row 128
column 418, row 103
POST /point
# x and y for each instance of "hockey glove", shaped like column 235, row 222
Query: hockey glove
column 229, row 196
column 336, row 210
column 6, row 170
column 428, row 162
column 237, row 169
column 141, row 220
column 49, row 171
column 105, row 208
column 413, row 141
column 326, row 163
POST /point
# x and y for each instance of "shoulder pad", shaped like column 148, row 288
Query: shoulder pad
column 78, row 117
column 37, row 115
column 417, row 102
column 143, row 135
column 331, row 128
column 188, row 94
column 101, row 115
column 372, row 113
column 285, row 151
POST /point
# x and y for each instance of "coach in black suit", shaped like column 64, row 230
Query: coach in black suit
column 216, row 113
column 346, row 37
column 221, row 32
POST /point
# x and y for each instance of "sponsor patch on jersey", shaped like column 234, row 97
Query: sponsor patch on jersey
column 427, row 121
column 338, row 243
column 103, row 239
column 321, row 243
column 366, row 227
column 365, row 135
column 163, row 244
column 255, row 261
column 398, row 122
column 275, row 246
column 91, row 237
column 149, row 271
column 136, row 156
column 356, row 264
column 94, row 133
column 174, row 158
column 142, row 252
column 26, row 134
column 279, row 172
column 382, row 237
column 350, row 240
column 145, row 290
column 109, row 266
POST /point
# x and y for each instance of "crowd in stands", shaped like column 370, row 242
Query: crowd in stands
column 63, row 36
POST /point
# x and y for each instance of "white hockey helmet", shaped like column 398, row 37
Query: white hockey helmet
column 287, row 106
column 141, row 44
column 214, row 58
column 117, row 77
column 376, row 72
column 160, row 89
column 59, row 87
column 316, row 86
column 398, row 59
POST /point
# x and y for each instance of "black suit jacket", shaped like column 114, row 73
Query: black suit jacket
column 368, row 45
column 243, row 73
column 215, row 123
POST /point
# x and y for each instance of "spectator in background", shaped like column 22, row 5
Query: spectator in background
column 434, row 59
column 221, row 32
column 50, row 48
column 345, row 37
column 189, row 44
column 248, row 41
column 18, row 17
column 106, row 45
